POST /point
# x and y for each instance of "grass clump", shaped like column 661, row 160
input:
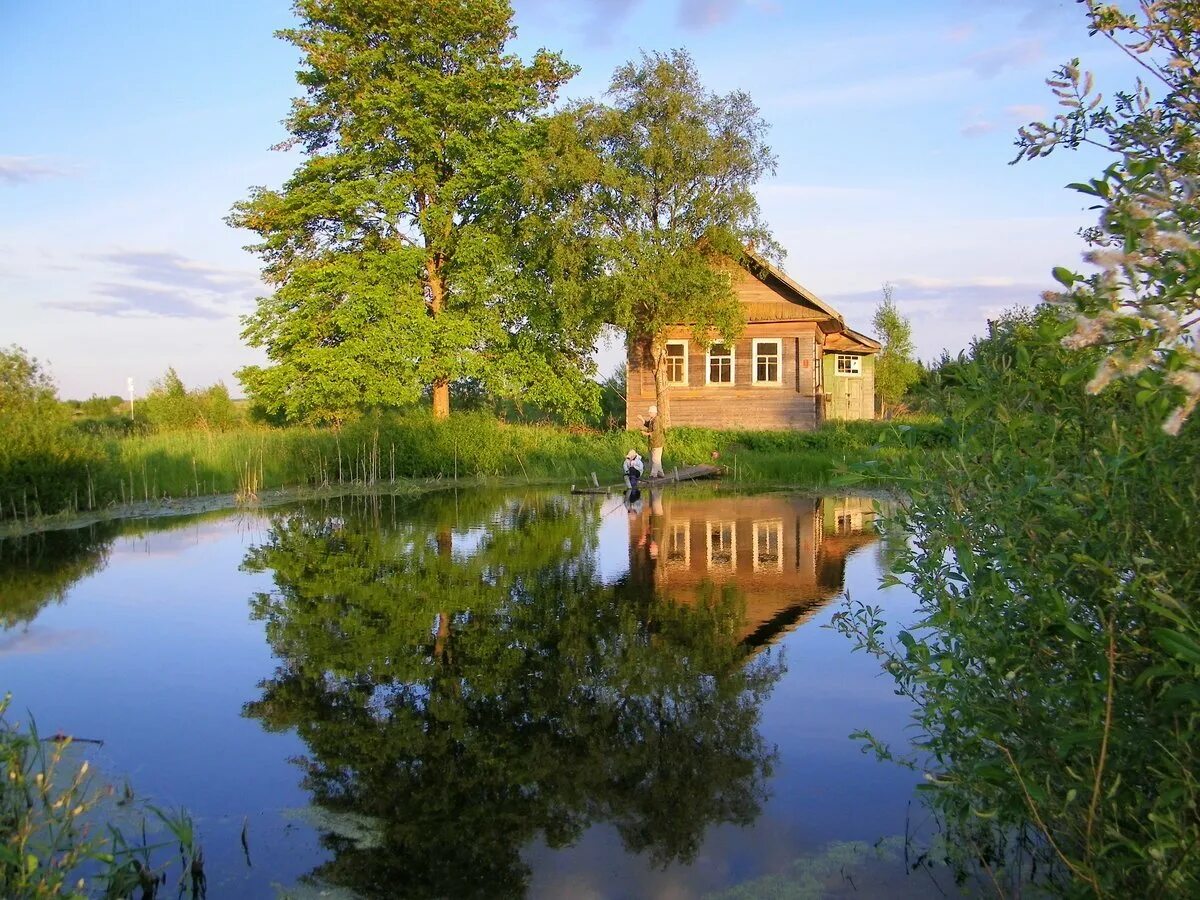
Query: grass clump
column 57, row 837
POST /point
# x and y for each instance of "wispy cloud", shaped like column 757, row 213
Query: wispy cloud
column 1026, row 112
column 945, row 314
column 135, row 299
column 176, row 270
column 606, row 17
column 164, row 284
column 977, row 129
column 701, row 15
column 25, row 169
column 991, row 62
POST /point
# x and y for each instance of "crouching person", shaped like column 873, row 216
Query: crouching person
column 633, row 469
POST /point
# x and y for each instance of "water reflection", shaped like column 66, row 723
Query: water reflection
column 39, row 569
column 459, row 685
column 468, row 700
column 785, row 554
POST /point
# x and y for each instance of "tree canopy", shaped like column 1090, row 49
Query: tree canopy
column 392, row 249
column 24, row 382
column 664, row 175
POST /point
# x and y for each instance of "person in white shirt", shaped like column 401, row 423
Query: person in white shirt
column 633, row 468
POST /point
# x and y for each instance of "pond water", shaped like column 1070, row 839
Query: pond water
column 486, row 693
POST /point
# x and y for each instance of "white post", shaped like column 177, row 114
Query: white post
column 129, row 382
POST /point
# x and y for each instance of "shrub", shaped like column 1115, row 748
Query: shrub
column 169, row 406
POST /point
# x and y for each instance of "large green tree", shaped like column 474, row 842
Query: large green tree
column 666, row 171
column 393, row 249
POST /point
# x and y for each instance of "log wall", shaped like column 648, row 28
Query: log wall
column 791, row 404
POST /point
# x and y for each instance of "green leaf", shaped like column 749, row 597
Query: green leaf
column 1064, row 276
column 1179, row 645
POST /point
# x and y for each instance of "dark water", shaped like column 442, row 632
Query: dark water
column 483, row 694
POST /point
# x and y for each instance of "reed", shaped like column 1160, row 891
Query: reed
column 79, row 472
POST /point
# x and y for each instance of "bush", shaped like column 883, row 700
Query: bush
column 169, row 406
column 1054, row 669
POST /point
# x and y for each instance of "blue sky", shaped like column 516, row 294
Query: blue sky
column 128, row 129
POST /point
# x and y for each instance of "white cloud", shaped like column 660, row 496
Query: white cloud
column 25, row 169
column 1026, row 112
column 945, row 314
column 977, row 129
column 1014, row 54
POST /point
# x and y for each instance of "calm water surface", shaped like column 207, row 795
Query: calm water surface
column 484, row 693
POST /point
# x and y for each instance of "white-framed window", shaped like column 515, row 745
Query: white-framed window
column 768, row 360
column 849, row 522
column 768, row 545
column 848, row 364
column 721, row 543
column 679, row 544
column 677, row 362
column 719, row 369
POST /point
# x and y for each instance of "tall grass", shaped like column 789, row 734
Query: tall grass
column 78, row 472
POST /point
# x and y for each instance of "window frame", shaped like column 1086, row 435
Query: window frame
column 708, row 358
column 764, row 528
column 686, row 360
column 678, row 535
column 754, row 379
column 721, row 525
column 857, row 360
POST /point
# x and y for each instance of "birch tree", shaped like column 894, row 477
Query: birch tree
column 670, row 202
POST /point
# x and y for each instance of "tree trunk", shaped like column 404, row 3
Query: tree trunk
column 662, row 398
column 437, row 299
column 445, row 550
column 441, row 399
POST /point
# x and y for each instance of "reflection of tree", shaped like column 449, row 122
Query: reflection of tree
column 470, row 701
column 39, row 569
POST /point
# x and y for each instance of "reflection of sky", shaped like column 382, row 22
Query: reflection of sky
column 171, row 656
column 156, row 655
column 178, row 541
column 612, row 555
column 37, row 639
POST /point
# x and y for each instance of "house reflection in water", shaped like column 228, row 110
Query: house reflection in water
column 785, row 555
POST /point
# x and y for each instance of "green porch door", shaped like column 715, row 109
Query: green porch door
column 849, row 395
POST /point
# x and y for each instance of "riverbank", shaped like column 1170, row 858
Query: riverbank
column 86, row 477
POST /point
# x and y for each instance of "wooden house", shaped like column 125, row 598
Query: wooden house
column 796, row 364
column 784, row 555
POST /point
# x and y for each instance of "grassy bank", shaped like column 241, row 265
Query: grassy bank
column 78, row 472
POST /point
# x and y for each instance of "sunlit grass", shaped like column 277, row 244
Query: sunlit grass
column 387, row 449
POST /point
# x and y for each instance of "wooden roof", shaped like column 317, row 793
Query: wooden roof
column 788, row 289
column 850, row 341
column 768, row 294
